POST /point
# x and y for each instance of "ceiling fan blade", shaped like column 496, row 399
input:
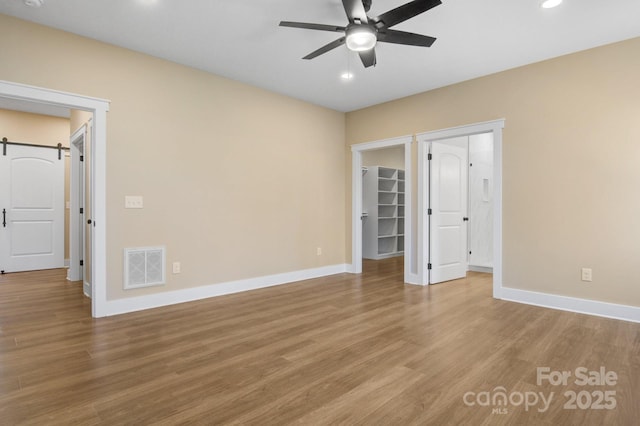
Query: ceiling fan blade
column 355, row 10
column 404, row 12
column 326, row 48
column 368, row 57
column 307, row 26
column 403, row 37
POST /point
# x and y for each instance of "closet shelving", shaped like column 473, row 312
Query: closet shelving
column 383, row 212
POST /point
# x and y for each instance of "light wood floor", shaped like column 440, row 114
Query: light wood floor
column 338, row 350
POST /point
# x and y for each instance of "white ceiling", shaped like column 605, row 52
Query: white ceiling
column 241, row 39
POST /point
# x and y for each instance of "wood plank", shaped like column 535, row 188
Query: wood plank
column 344, row 349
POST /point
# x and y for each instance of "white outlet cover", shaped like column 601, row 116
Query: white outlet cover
column 133, row 202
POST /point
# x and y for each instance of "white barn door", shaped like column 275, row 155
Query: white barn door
column 32, row 204
column 448, row 208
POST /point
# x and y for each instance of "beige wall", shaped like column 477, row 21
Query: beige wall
column 237, row 182
column 388, row 157
column 39, row 129
column 570, row 165
column 34, row 128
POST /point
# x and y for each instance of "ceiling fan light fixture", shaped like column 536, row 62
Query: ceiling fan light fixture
column 548, row 4
column 361, row 33
column 361, row 38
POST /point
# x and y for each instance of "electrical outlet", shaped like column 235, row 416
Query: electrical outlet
column 176, row 267
column 133, row 202
column 319, row 251
column 587, row 274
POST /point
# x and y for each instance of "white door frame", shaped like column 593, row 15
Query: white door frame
column 99, row 108
column 423, row 140
column 356, row 202
column 76, row 223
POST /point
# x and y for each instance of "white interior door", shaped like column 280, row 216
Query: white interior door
column 448, row 207
column 32, row 203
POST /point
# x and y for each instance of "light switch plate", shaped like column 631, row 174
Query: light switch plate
column 133, row 202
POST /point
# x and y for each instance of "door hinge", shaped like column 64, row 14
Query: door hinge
column 429, row 211
column 81, row 210
column 465, row 219
column 82, row 263
column 429, row 266
column 82, row 158
column 429, row 156
column 469, row 251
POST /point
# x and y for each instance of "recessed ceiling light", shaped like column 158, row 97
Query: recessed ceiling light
column 33, row 3
column 346, row 75
column 548, row 4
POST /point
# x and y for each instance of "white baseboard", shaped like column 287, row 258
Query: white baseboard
column 139, row 303
column 485, row 269
column 572, row 304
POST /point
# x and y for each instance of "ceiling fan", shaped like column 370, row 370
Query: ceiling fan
column 363, row 31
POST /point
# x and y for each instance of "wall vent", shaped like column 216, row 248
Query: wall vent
column 143, row 267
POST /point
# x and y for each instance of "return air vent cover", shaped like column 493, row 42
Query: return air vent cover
column 143, row 267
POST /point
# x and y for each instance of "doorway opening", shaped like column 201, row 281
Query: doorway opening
column 427, row 238
column 98, row 108
column 460, row 212
column 383, row 203
column 42, row 191
column 388, row 219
